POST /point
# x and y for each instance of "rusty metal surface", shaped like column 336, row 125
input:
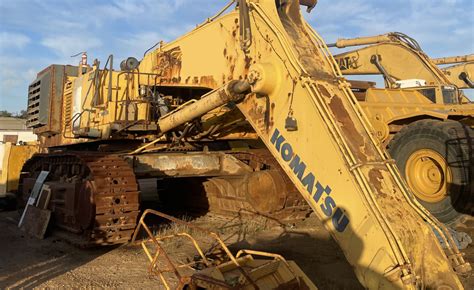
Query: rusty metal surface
column 258, row 192
column 161, row 262
column 187, row 164
column 93, row 195
column 247, row 183
column 216, row 267
column 266, row 191
column 36, row 221
column 168, row 64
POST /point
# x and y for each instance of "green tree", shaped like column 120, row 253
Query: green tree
column 5, row 113
column 22, row 114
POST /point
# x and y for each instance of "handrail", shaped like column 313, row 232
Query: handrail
column 78, row 116
column 152, row 79
column 110, row 62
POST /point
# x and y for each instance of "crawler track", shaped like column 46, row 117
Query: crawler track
column 95, row 196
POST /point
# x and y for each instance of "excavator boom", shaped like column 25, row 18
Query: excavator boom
column 461, row 73
column 383, row 54
column 260, row 69
column 453, row 59
column 305, row 113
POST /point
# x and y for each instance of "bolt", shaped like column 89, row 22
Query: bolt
column 253, row 77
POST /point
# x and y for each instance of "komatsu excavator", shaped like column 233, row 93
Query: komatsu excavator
column 258, row 74
column 461, row 71
column 420, row 116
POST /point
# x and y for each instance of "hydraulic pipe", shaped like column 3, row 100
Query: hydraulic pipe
column 465, row 77
column 346, row 42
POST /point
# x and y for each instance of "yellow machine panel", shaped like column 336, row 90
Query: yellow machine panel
column 14, row 158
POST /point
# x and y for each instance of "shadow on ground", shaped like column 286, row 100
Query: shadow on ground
column 27, row 262
column 309, row 245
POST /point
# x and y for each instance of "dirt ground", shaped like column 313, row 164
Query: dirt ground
column 27, row 262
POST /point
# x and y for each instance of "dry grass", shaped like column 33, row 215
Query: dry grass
column 181, row 249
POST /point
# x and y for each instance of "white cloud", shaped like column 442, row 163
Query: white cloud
column 52, row 30
column 136, row 44
column 65, row 46
column 10, row 40
column 15, row 75
column 443, row 27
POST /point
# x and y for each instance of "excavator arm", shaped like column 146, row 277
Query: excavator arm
column 279, row 73
column 383, row 55
column 461, row 73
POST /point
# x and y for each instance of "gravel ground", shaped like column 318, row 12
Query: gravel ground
column 27, row 262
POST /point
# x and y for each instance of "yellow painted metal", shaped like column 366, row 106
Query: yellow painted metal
column 453, row 59
column 92, row 112
column 428, row 175
column 305, row 113
column 392, row 108
column 343, row 42
column 455, row 74
column 461, row 73
column 389, row 109
column 399, row 59
column 208, row 102
column 124, row 104
column 348, row 192
column 14, row 158
column 403, row 61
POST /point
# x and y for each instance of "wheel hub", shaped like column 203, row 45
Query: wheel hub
column 428, row 175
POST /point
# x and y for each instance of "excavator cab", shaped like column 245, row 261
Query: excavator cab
column 448, row 95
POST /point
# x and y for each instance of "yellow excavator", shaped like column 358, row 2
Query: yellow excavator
column 420, row 116
column 255, row 74
column 461, row 71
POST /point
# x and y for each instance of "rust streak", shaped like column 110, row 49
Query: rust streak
column 208, row 82
column 355, row 140
column 375, row 177
column 169, row 65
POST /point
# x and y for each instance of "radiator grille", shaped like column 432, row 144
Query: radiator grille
column 33, row 110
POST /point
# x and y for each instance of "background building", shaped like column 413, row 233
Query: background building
column 13, row 130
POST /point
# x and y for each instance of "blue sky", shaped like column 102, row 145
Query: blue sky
column 35, row 33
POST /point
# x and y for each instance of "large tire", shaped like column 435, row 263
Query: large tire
column 436, row 159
